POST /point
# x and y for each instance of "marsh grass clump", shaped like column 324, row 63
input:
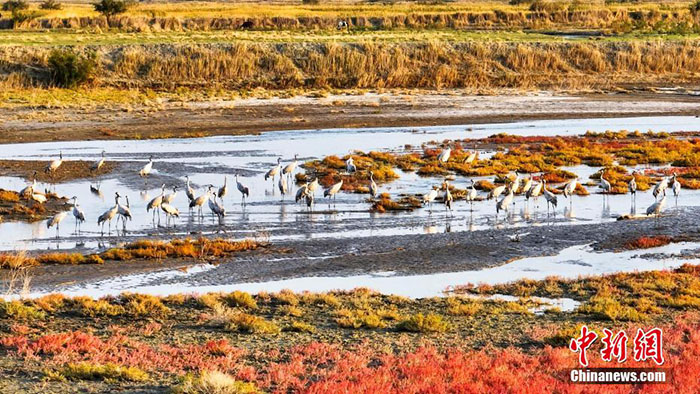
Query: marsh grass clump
column 463, row 307
column 104, row 372
column 611, row 309
column 646, row 242
column 89, row 307
column 143, row 305
column 213, row 382
column 18, row 310
column 299, row 326
column 250, row 324
column 180, row 248
column 384, row 203
column 240, row 299
column 358, row 318
column 427, row 323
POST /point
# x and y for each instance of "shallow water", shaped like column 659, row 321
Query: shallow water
column 267, row 213
column 571, row 262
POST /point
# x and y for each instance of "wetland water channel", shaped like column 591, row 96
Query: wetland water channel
column 209, row 160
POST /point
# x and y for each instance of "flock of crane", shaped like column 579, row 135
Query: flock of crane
column 503, row 194
column 533, row 189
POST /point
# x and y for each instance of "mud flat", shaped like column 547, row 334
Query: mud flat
column 249, row 116
column 398, row 255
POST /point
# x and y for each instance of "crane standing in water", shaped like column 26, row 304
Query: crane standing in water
column 108, row 215
column 245, row 192
column 77, row 214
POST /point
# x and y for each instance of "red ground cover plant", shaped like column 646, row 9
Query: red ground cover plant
column 330, row 368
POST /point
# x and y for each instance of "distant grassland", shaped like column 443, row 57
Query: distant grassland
column 664, row 17
column 331, row 65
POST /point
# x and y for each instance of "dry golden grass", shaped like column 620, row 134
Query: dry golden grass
column 427, row 64
column 205, row 16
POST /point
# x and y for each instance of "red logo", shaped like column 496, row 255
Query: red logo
column 649, row 345
column 582, row 343
column 614, row 346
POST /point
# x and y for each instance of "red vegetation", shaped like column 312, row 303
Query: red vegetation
column 326, row 368
column 649, row 242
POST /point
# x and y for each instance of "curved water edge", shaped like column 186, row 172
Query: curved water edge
column 282, row 219
column 573, row 262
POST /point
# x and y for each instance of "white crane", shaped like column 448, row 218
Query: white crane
column 39, row 197
column 332, row 191
column 223, row 190
column 447, row 197
column 534, row 192
column 288, row 170
column 108, row 215
column 146, row 170
column 282, row 185
column 54, row 165
column 98, row 164
column 170, row 197
column 632, row 184
column 170, row 212
column 155, row 203
column 245, row 192
column 660, row 188
column 570, row 189
column 216, row 208
column 444, row 156
column 199, row 201
column 309, row 201
column 471, row 158
column 373, row 190
column 311, row 189
column 272, row 172
column 527, row 184
column 189, row 191
column 516, row 183
column 675, row 186
column 496, row 192
column 604, row 184
column 429, row 197
column 505, row 202
column 78, row 214
column 350, row 166
column 657, row 207
column 29, row 190
column 471, row 196
column 56, row 221
column 124, row 211
column 301, row 192
column 549, row 196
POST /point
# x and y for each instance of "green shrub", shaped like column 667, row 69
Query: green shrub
column 69, row 69
column 15, row 5
column 110, row 8
column 695, row 8
column 50, row 5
